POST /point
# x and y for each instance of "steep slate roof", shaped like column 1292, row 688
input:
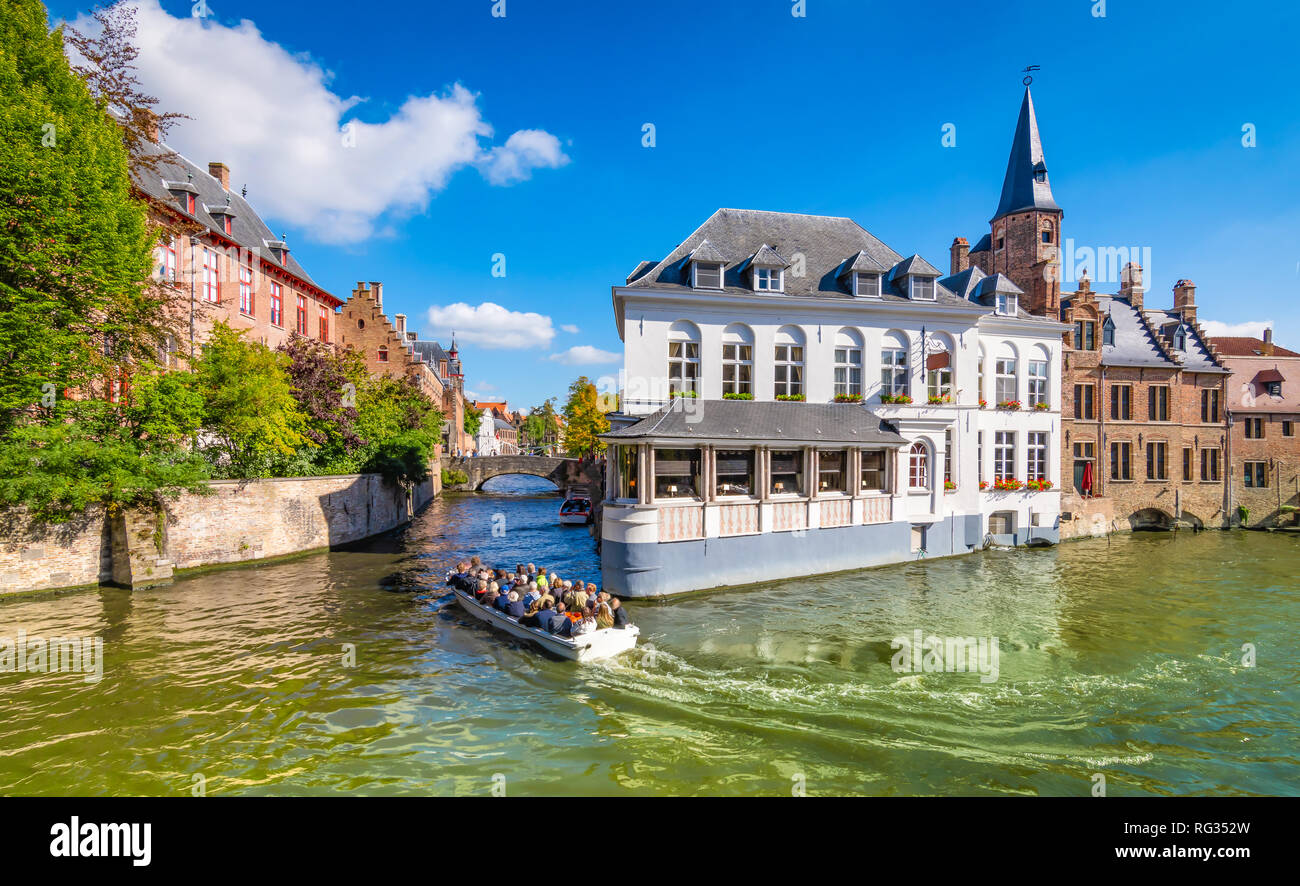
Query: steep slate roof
column 964, row 283
column 914, row 264
column 1020, row 191
column 1245, row 346
column 827, row 244
column 1197, row 357
column 864, row 262
column 1135, row 338
column 247, row 228
column 706, row 251
column 759, row 420
column 641, row 269
column 985, row 244
column 767, row 257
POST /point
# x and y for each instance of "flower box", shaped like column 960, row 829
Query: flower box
column 848, row 398
column 1039, row 485
column 895, row 399
column 939, row 401
column 1007, row 484
column 983, row 403
column 732, row 395
column 689, row 395
column 789, row 396
column 949, row 486
column 1043, row 406
column 1009, row 405
column 984, row 484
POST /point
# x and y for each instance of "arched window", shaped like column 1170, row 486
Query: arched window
column 1039, row 361
column 848, row 363
column 938, row 369
column 789, row 361
column 683, row 357
column 893, row 365
column 1005, row 372
column 737, row 360
column 918, row 466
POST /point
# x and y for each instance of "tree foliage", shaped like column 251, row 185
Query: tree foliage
column 584, row 419
column 473, row 419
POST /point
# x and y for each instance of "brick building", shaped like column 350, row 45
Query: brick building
column 391, row 349
column 224, row 262
column 1143, row 390
column 1263, row 405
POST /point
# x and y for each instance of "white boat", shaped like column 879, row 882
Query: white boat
column 601, row 643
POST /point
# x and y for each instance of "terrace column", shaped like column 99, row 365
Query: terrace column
column 646, row 469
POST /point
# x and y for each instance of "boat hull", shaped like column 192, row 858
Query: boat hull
column 599, row 644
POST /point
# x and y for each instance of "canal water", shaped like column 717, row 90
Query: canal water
column 1121, row 657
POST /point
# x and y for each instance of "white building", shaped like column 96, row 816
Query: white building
column 486, row 442
column 813, row 310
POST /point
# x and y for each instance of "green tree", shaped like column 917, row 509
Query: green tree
column 538, row 430
column 584, row 419
column 86, row 452
column 401, row 427
column 75, row 247
column 251, row 420
column 473, row 419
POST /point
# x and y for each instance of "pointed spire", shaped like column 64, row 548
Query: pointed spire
column 1026, row 185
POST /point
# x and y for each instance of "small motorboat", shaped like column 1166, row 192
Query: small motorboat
column 601, row 643
column 575, row 512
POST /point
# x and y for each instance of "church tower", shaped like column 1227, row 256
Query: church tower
column 1026, row 230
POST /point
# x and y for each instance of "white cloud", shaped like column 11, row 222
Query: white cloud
column 585, row 355
column 491, row 326
column 569, row 328
column 1248, row 328
column 524, row 151
column 271, row 116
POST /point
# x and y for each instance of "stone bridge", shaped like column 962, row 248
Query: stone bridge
column 563, row 472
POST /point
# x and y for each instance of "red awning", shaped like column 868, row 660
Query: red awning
column 941, row 360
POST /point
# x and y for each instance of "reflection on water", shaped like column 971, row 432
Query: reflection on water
column 1122, row 657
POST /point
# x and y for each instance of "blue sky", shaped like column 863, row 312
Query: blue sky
column 840, row 112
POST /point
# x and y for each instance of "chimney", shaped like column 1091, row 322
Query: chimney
column 221, row 172
column 1185, row 300
column 1268, row 342
column 378, row 289
column 960, row 251
column 149, row 126
column 1130, row 286
column 400, row 319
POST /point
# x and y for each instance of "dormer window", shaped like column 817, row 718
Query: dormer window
column 1005, row 304
column 1108, row 333
column 189, row 203
column 1040, row 173
column 922, row 288
column 866, row 285
column 226, row 224
column 708, row 275
column 1180, row 338
column 768, row 279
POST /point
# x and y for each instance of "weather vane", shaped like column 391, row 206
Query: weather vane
column 1029, row 77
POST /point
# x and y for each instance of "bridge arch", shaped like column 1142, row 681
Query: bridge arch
column 563, row 472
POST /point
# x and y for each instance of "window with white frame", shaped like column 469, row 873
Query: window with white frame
column 1036, row 450
column 922, row 288
column 683, row 366
column 938, row 375
column 246, row 291
column 1005, row 304
column 1004, row 455
column 167, row 267
column 848, row 365
column 893, row 369
column 918, row 466
column 1005, row 371
column 737, row 368
column 708, row 275
column 768, row 279
column 211, row 275
column 788, row 356
column 1037, row 382
column 866, row 285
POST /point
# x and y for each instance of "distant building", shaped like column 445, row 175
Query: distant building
column 505, row 426
column 224, row 263
column 1143, row 423
column 365, row 328
column 1263, row 405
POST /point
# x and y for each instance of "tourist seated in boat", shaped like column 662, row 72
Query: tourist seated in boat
column 619, row 613
column 490, row 598
column 515, row 608
column 539, row 618
column 604, row 616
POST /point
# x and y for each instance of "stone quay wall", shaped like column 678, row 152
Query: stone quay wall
column 240, row 521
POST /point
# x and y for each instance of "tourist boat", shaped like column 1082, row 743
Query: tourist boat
column 575, row 512
column 601, row 643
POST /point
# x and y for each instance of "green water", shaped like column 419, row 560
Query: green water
column 1123, row 658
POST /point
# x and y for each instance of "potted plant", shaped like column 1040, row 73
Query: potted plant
column 949, row 486
column 848, row 398
column 1042, row 406
column 896, row 399
column 1009, row 404
column 732, row 395
column 983, row 403
column 939, row 399
column 1039, row 485
column 1007, row 484
column 984, row 484
column 690, row 395
column 789, row 396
